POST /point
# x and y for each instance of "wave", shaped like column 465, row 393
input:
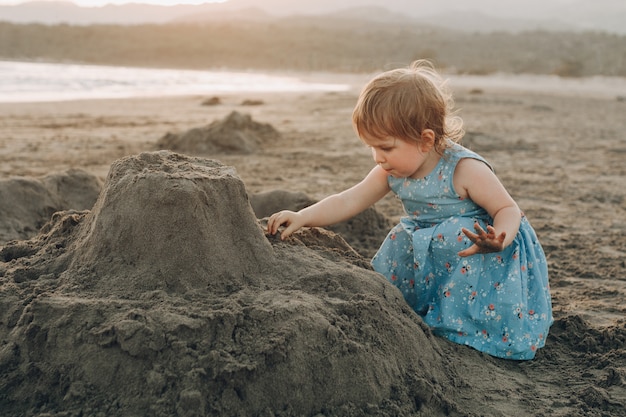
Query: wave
column 36, row 82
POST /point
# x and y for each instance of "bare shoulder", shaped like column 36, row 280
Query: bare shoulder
column 371, row 189
column 376, row 180
column 378, row 174
column 469, row 165
column 470, row 173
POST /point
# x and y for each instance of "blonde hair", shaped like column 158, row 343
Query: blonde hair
column 402, row 102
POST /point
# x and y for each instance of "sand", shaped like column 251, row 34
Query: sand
column 139, row 281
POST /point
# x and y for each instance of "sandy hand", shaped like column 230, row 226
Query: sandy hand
column 484, row 241
column 292, row 219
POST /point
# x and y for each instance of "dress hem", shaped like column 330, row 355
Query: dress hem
column 498, row 353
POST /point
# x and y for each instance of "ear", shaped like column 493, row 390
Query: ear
column 427, row 141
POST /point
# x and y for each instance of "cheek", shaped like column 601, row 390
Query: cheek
column 379, row 155
column 413, row 154
column 408, row 160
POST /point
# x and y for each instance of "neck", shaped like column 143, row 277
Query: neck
column 430, row 162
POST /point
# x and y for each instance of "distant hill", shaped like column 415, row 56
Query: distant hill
column 482, row 16
column 342, row 43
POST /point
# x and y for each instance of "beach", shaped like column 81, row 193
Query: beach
column 188, row 346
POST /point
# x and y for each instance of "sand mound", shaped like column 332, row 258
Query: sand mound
column 166, row 219
column 168, row 299
column 364, row 232
column 237, row 134
column 26, row 204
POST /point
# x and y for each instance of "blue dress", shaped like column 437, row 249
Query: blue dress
column 498, row 303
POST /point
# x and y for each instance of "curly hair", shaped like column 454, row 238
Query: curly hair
column 402, row 102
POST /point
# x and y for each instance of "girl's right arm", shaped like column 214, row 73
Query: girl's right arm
column 335, row 208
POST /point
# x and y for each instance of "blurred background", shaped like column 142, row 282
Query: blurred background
column 568, row 38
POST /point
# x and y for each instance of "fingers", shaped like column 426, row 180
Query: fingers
column 284, row 234
column 484, row 241
column 274, row 223
column 481, row 232
column 472, row 250
column 471, row 236
column 278, row 219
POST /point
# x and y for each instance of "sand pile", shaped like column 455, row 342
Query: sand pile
column 26, row 203
column 167, row 219
column 236, row 134
column 168, row 299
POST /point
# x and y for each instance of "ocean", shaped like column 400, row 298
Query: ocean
column 37, row 82
column 41, row 82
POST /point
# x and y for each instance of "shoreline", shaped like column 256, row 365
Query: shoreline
column 298, row 82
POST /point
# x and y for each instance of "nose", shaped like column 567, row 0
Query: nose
column 378, row 156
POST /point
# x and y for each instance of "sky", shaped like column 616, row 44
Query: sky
column 96, row 3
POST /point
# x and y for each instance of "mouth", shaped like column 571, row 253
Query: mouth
column 392, row 172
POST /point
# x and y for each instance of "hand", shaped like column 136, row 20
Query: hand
column 484, row 242
column 293, row 220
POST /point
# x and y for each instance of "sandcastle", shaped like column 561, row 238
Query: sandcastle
column 167, row 298
column 169, row 222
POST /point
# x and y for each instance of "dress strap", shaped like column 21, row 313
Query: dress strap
column 457, row 152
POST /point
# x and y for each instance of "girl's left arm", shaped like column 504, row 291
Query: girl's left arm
column 475, row 180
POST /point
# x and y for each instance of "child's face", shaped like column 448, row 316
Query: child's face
column 400, row 158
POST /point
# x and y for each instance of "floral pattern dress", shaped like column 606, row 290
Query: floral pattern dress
column 498, row 303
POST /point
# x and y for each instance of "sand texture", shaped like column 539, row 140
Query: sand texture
column 137, row 279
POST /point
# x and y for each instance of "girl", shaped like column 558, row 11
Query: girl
column 487, row 289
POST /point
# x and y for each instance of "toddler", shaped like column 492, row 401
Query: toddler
column 464, row 256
